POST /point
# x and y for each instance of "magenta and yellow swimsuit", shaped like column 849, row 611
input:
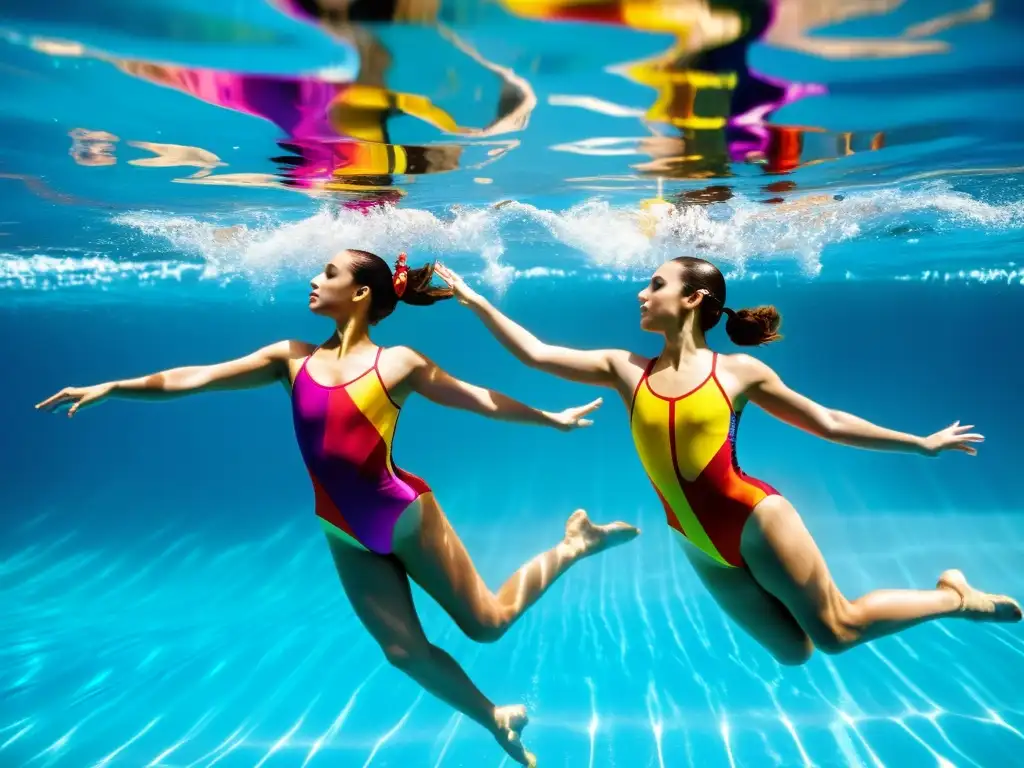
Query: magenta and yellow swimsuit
column 345, row 434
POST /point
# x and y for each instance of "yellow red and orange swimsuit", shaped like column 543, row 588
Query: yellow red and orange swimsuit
column 687, row 445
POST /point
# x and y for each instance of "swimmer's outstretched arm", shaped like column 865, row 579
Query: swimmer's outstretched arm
column 591, row 366
column 765, row 388
column 264, row 366
column 430, row 380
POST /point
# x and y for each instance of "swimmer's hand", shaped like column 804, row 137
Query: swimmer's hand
column 572, row 418
column 466, row 295
column 77, row 398
column 953, row 438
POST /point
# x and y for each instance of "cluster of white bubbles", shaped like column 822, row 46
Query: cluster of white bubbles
column 501, row 243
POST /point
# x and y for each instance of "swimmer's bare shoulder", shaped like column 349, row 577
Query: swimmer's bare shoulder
column 626, row 368
column 747, row 378
column 741, row 367
column 291, row 353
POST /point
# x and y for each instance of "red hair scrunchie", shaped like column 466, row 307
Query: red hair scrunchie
column 401, row 275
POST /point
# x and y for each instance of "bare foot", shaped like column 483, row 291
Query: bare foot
column 509, row 723
column 977, row 605
column 583, row 538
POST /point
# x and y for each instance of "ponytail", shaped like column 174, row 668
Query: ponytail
column 387, row 288
column 746, row 327
column 413, row 285
column 751, row 327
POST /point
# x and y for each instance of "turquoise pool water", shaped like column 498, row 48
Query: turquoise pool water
column 166, row 597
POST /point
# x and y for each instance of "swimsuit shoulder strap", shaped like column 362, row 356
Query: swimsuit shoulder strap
column 718, row 383
column 636, row 391
column 302, row 368
column 380, row 379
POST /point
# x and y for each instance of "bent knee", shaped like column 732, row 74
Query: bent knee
column 832, row 643
column 485, row 629
column 837, row 631
column 794, row 654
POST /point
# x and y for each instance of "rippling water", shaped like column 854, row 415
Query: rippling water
column 174, row 172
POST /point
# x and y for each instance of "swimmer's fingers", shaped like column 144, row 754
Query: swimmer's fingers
column 51, row 403
column 83, row 402
column 91, row 396
column 593, row 405
column 571, row 418
column 955, row 437
column 964, row 443
column 959, row 432
column 463, row 292
column 964, row 446
column 959, row 428
column 453, row 280
column 76, row 397
column 448, row 275
column 444, row 273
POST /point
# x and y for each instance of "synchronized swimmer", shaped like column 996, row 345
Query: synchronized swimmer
column 384, row 526
column 746, row 542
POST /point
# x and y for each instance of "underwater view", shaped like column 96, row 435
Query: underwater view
column 571, row 242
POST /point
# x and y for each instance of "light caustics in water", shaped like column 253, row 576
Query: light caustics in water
column 122, row 691
column 594, row 239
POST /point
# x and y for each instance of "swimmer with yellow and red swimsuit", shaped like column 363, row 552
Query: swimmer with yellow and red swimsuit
column 705, row 89
column 384, row 525
column 744, row 539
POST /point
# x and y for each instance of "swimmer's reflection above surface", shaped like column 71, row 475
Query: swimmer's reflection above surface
column 711, row 107
column 97, row 148
column 336, row 136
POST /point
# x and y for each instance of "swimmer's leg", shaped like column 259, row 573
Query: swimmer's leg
column 436, row 559
column 785, row 560
column 758, row 613
column 378, row 589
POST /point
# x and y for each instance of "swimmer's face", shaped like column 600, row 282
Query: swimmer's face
column 334, row 293
column 662, row 303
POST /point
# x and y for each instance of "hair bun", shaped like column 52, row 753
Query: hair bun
column 751, row 327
